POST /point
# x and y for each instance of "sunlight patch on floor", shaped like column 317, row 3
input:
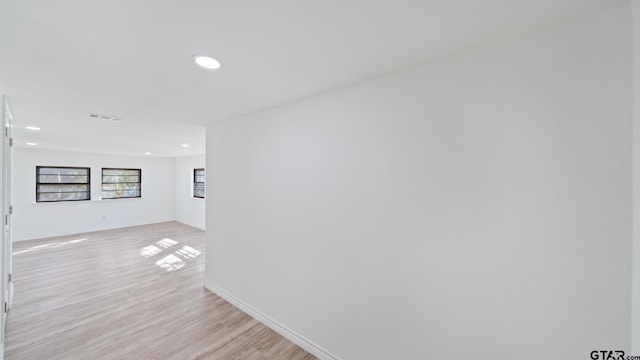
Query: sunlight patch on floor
column 171, row 263
column 166, row 243
column 52, row 245
column 149, row 251
column 188, row 252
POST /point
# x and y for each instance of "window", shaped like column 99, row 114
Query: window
column 198, row 183
column 121, row 183
column 62, row 183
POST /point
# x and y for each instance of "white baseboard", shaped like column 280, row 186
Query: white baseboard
column 297, row 339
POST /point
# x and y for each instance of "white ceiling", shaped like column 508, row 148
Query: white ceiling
column 60, row 60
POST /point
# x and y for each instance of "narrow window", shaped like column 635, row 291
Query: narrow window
column 121, row 183
column 198, row 183
column 60, row 183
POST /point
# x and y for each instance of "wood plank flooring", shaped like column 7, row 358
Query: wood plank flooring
column 132, row 293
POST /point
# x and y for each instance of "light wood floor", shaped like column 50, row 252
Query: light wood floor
column 109, row 295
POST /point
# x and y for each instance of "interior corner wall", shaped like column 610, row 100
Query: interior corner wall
column 189, row 210
column 475, row 207
column 33, row 220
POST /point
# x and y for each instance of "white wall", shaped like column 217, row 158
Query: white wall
column 36, row 220
column 635, row 321
column 189, row 210
column 475, row 207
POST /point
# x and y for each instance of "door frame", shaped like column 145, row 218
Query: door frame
column 6, row 159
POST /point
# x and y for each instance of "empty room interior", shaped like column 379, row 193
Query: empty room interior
column 360, row 179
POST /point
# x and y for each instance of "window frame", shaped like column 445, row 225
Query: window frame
column 195, row 183
column 38, row 183
column 102, row 183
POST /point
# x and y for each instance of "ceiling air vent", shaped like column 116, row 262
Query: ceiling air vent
column 106, row 117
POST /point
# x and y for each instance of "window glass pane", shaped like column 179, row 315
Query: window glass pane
column 56, row 179
column 120, row 194
column 121, row 183
column 63, row 188
column 120, row 178
column 120, row 186
column 62, row 184
column 198, row 183
column 62, row 196
column 63, row 171
column 120, row 172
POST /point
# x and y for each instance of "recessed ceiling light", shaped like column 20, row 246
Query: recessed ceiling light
column 207, row 62
column 34, row 128
column 185, row 145
column 32, row 144
column 147, row 153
